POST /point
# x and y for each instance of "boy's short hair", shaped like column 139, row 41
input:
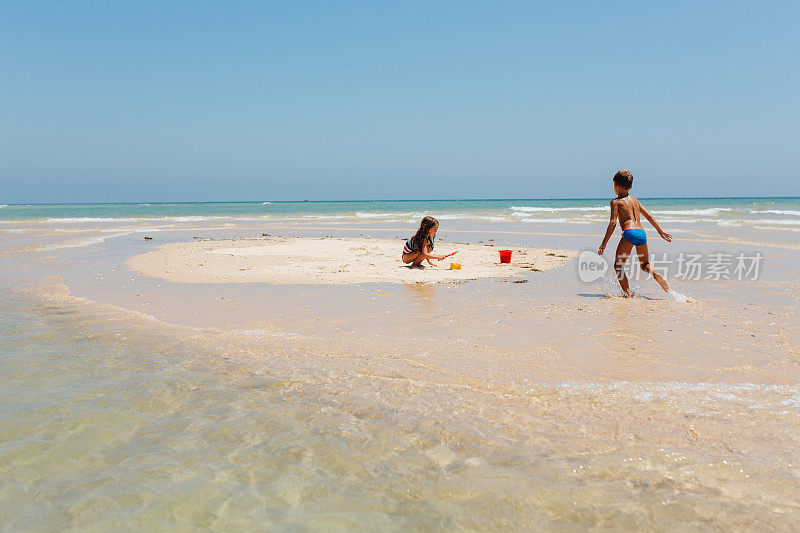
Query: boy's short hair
column 624, row 179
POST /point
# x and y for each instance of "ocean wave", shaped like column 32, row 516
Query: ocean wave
column 3, row 205
column 708, row 211
column 266, row 203
column 361, row 214
column 770, row 222
column 773, row 228
column 19, row 230
column 526, row 209
column 530, row 220
column 779, row 212
column 193, row 218
column 93, row 219
column 776, row 222
column 668, row 220
column 471, row 216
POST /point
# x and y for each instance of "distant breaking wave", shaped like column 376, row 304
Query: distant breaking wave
column 709, row 211
column 779, row 212
column 556, row 209
column 138, row 219
column 361, row 214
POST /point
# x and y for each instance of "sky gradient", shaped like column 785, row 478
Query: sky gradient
column 213, row 101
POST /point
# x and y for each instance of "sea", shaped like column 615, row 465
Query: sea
column 763, row 212
column 131, row 403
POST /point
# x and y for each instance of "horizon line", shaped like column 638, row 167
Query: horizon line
column 403, row 200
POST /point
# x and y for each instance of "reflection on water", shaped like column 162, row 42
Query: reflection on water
column 422, row 294
column 113, row 424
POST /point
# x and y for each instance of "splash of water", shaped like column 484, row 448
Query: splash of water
column 676, row 296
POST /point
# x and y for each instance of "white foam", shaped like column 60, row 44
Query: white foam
column 467, row 216
column 777, row 222
column 794, row 401
column 531, row 220
column 710, row 211
column 686, row 220
column 779, row 212
column 196, row 218
column 525, row 209
column 773, row 228
column 193, row 218
column 361, row 214
column 93, row 219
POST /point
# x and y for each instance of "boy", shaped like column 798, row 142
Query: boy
column 627, row 209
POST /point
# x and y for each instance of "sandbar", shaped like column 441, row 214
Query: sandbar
column 329, row 260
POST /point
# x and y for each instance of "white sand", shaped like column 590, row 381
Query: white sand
column 329, row 261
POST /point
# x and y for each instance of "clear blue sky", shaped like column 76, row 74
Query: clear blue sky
column 192, row 101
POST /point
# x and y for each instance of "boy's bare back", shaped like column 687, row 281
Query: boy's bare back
column 628, row 212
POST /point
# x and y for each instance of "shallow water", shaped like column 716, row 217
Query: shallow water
column 139, row 427
column 132, row 403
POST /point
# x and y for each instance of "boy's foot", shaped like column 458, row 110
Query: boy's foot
column 664, row 285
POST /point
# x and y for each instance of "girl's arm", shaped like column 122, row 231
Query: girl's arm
column 664, row 235
column 428, row 256
column 610, row 229
column 425, row 255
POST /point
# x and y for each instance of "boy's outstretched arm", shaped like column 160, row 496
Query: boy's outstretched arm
column 664, row 235
column 610, row 229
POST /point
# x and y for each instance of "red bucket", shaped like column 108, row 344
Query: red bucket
column 505, row 256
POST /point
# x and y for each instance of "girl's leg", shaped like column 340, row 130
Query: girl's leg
column 415, row 258
column 644, row 261
column 623, row 253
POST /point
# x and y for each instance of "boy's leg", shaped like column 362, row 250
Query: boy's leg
column 644, row 261
column 623, row 252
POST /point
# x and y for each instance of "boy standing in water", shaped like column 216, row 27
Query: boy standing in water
column 627, row 209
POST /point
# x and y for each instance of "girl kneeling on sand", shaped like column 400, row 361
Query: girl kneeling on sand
column 419, row 247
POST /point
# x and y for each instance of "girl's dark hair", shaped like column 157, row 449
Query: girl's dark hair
column 419, row 239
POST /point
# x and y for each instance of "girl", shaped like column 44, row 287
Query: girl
column 419, row 247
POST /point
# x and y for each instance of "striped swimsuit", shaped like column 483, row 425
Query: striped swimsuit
column 408, row 247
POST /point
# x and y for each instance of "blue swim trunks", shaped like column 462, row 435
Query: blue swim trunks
column 635, row 236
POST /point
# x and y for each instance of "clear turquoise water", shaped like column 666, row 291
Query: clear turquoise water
column 730, row 207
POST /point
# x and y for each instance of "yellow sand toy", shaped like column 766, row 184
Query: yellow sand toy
column 455, row 266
